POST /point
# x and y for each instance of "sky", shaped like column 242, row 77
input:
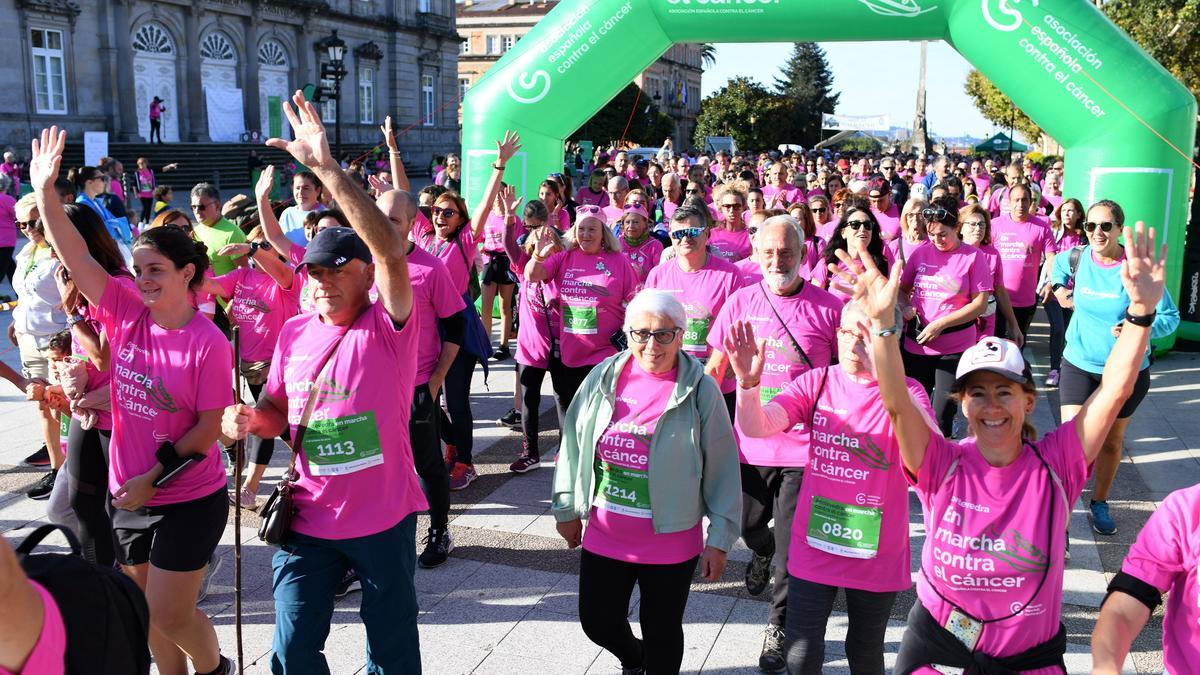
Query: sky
column 874, row 78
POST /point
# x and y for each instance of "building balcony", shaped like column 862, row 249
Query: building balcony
column 436, row 24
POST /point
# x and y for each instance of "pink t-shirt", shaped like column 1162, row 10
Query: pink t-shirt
column 1067, row 241
column 593, row 290
column 643, row 257
column 730, row 245
column 821, row 276
column 812, row 316
column 145, row 183
column 586, row 196
column 612, row 214
column 813, row 246
column 458, row 254
column 161, row 380
column 260, row 307
column 356, row 467
column 434, row 298
column 889, row 222
column 98, row 378
column 703, row 294
column 997, row 273
column 493, row 235
column 8, row 221
column 48, row 656
column 893, row 247
column 943, row 282
column 825, row 232
column 787, row 195
column 1021, row 246
column 988, row 531
column 1166, row 555
column 854, row 479
column 621, row 526
column 750, row 270
column 296, row 256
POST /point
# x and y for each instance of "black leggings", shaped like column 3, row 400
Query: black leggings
column 531, row 400
column 459, row 427
column 936, row 374
column 8, row 265
column 147, row 208
column 1024, row 319
column 605, row 586
column 260, row 449
column 427, row 455
column 1059, row 318
column 770, row 492
column 87, row 472
column 811, row 604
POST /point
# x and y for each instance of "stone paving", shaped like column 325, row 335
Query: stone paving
column 506, row 600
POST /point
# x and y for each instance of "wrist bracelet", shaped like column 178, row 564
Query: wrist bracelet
column 1144, row 321
column 742, row 385
column 499, row 168
column 886, row 332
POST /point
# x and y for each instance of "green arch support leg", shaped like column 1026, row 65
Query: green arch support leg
column 1115, row 110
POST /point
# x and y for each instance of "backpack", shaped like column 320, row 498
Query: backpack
column 1073, row 259
column 105, row 614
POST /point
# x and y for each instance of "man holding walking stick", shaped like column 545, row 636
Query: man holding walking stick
column 356, row 493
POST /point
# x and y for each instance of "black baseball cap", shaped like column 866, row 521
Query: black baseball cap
column 334, row 247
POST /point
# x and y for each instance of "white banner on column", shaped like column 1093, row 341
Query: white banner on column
column 856, row 122
column 226, row 118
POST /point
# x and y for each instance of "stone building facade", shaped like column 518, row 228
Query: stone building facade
column 222, row 66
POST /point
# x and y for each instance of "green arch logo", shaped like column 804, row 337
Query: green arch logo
column 1126, row 124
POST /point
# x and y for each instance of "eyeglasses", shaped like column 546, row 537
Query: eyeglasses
column 819, row 209
column 857, row 225
column 686, row 233
column 693, row 191
column 449, row 213
column 937, row 214
column 972, row 223
column 664, row 336
column 735, row 205
column 1106, row 227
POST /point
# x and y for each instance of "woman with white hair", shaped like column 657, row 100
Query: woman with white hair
column 640, row 417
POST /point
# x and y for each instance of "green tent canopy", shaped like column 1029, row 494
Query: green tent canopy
column 1000, row 143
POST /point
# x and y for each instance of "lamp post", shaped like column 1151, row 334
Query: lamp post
column 753, row 129
column 335, row 49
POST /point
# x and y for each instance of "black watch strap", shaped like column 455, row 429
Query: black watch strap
column 1143, row 321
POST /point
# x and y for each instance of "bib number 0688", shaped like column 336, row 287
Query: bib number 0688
column 842, row 532
column 345, row 448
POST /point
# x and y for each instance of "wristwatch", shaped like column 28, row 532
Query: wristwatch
column 74, row 319
column 1143, row 321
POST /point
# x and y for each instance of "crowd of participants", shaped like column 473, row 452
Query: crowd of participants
column 771, row 348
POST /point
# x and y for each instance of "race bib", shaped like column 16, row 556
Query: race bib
column 579, row 320
column 695, row 338
column 622, row 490
column 843, row 529
column 64, row 426
column 343, row 445
column 765, row 394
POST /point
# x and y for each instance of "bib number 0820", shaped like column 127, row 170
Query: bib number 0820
column 842, row 532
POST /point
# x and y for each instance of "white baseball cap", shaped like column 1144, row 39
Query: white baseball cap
column 995, row 355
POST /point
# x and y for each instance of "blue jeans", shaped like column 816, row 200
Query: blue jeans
column 307, row 573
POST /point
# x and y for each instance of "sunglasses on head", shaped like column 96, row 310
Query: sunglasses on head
column 1105, row 227
column 448, row 212
column 686, row 233
column 857, row 225
column 937, row 213
column 663, row 336
column 587, row 210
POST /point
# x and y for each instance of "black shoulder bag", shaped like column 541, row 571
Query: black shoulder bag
column 799, row 350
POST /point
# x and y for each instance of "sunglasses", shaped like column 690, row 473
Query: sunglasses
column 587, row 210
column 732, row 206
column 887, row 168
column 1105, row 227
column 664, row 336
column 819, row 209
column 181, row 224
column 199, row 207
column 935, row 213
column 692, row 191
column 449, row 213
column 28, row 224
column 857, row 225
column 752, row 230
column 687, row 233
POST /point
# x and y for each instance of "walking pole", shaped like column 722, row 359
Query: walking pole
column 239, row 451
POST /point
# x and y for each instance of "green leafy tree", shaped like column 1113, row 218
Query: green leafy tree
column 998, row 108
column 708, row 54
column 648, row 125
column 807, row 82
column 1166, row 29
column 745, row 110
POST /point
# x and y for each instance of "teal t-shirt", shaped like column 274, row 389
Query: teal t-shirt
column 1100, row 304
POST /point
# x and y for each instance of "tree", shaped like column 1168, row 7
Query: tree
column 708, row 54
column 648, row 125
column 998, row 108
column 807, row 82
column 1166, row 29
column 745, row 110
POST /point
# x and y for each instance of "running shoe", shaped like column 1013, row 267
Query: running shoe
column 511, row 419
column 633, row 671
column 245, row 499
column 350, row 583
column 1052, row 378
column 450, row 453
column 462, row 475
column 502, row 354
column 525, row 464
column 771, row 659
column 214, row 565
column 42, row 489
column 39, row 458
column 438, row 544
column 1102, row 522
column 758, row 573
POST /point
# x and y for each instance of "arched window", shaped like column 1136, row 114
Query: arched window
column 153, row 39
column 215, row 46
column 271, row 53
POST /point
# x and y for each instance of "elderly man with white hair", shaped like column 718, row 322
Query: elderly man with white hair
column 640, row 416
column 799, row 323
column 11, row 169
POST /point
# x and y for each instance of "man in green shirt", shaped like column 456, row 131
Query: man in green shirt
column 212, row 228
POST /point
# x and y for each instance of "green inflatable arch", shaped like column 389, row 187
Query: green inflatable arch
column 1126, row 123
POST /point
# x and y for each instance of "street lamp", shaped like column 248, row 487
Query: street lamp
column 335, row 49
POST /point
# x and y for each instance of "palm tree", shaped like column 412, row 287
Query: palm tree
column 708, row 54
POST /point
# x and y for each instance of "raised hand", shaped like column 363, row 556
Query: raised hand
column 745, row 353
column 509, row 201
column 1143, row 277
column 266, row 181
column 234, row 250
column 388, row 136
column 309, row 147
column 379, row 185
column 508, row 147
column 873, row 291
column 46, row 157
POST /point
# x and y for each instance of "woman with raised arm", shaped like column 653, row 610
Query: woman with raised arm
column 997, row 502
column 172, row 377
column 395, row 161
